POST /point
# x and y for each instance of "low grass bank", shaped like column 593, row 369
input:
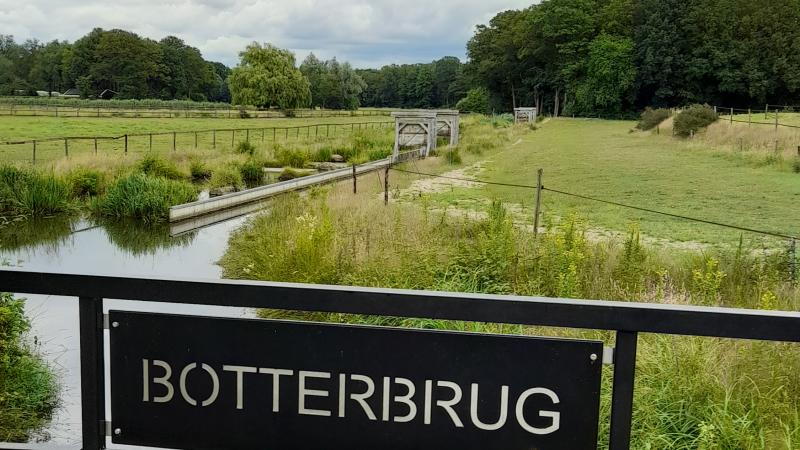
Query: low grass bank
column 690, row 393
column 28, row 388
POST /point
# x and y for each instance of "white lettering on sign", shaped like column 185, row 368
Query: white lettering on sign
column 396, row 397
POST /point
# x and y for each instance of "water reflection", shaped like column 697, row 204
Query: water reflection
column 24, row 233
column 106, row 248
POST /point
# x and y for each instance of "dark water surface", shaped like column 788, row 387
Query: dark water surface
column 115, row 248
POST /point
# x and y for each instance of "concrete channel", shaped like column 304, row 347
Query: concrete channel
column 194, row 210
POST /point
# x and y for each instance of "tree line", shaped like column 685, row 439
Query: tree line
column 118, row 60
column 606, row 58
column 614, row 57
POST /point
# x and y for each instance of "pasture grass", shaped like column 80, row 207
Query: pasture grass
column 27, row 128
column 605, row 159
column 690, row 392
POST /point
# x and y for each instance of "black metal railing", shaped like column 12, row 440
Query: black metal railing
column 627, row 319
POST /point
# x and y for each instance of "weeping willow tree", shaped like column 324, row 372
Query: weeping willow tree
column 267, row 77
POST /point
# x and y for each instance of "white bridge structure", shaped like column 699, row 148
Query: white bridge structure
column 420, row 129
column 525, row 115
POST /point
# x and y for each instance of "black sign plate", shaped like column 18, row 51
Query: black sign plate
column 211, row 383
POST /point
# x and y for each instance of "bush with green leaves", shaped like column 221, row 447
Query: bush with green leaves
column 694, row 118
column 158, row 167
column 476, row 101
column 26, row 192
column 650, row 118
column 245, row 148
column 28, row 388
column 144, row 197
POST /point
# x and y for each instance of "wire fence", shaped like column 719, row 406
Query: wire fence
column 193, row 112
column 792, row 239
column 48, row 149
column 770, row 117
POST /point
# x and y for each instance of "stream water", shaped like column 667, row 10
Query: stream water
column 115, row 248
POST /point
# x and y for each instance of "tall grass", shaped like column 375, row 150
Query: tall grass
column 28, row 389
column 31, row 193
column 143, row 197
column 691, row 392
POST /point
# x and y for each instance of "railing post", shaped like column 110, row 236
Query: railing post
column 622, row 392
column 538, row 209
column 93, row 409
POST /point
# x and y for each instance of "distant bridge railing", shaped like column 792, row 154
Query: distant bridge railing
column 627, row 319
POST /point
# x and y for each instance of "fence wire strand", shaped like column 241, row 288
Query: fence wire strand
column 608, row 202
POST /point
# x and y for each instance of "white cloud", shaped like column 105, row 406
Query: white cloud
column 367, row 33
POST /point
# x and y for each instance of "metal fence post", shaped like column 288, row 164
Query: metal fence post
column 93, row 410
column 622, row 391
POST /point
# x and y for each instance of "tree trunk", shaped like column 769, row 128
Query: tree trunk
column 513, row 96
column 556, row 101
column 565, row 100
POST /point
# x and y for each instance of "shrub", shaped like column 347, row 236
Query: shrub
column 86, row 182
column 228, row 175
column 30, row 193
column 158, row 167
column 694, row 118
column 245, row 148
column 476, row 101
column 144, row 197
column 650, row 118
column 243, row 114
column 252, row 172
column 199, row 171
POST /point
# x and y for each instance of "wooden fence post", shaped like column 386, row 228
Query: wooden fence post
column 386, row 186
column 355, row 187
column 126, row 144
column 213, row 138
column 776, row 120
column 195, row 139
column 34, row 151
column 793, row 260
column 749, row 117
column 150, row 140
column 731, row 116
column 66, row 148
column 766, row 111
column 174, row 141
column 538, row 209
column 247, row 135
column 233, row 138
column 95, row 146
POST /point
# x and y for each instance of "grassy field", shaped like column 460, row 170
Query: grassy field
column 691, row 393
column 604, row 159
column 28, row 128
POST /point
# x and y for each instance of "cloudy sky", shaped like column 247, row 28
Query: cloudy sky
column 368, row 33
